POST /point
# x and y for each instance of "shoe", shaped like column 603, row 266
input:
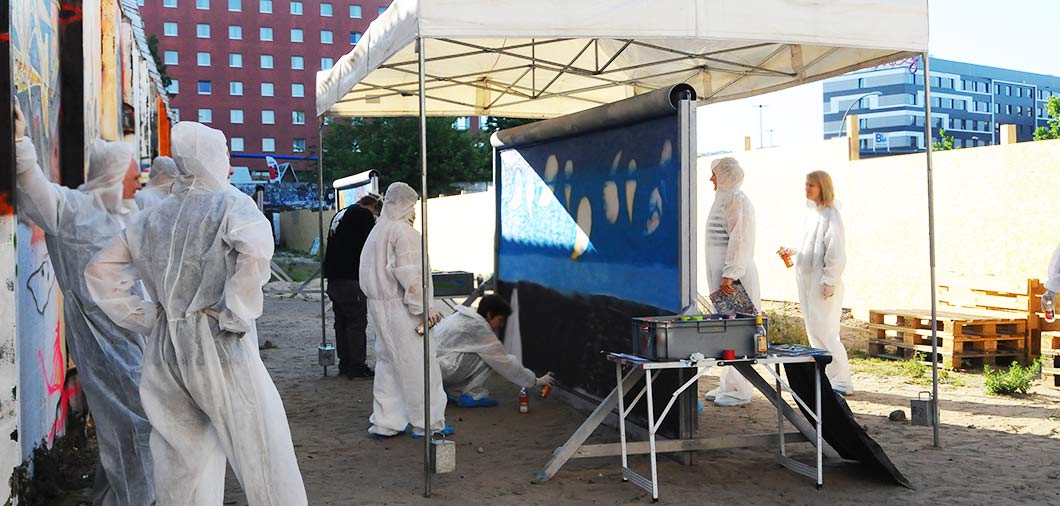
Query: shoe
column 713, row 394
column 448, row 430
column 466, row 401
column 728, row 401
column 842, row 393
column 378, row 437
column 360, row 372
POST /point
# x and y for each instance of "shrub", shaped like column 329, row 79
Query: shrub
column 785, row 329
column 1016, row 380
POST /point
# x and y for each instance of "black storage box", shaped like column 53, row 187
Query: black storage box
column 678, row 337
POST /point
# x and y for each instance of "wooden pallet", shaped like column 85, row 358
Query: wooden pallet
column 964, row 340
column 1050, row 358
column 1022, row 305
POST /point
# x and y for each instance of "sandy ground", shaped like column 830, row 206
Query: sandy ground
column 994, row 450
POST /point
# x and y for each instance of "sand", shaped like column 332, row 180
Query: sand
column 994, row 450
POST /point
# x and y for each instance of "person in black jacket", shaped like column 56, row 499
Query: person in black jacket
column 342, row 259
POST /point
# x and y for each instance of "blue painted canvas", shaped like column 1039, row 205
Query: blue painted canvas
column 595, row 214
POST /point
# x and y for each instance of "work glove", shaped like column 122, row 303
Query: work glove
column 547, row 379
column 827, row 291
column 1050, row 296
column 20, row 121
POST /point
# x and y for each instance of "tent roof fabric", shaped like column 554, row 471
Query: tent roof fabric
column 547, row 58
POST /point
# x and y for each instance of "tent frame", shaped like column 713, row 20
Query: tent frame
column 533, row 93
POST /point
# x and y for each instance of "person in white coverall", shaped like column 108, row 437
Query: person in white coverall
column 1052, row 279
column 203, row 256
column 469, row 351
column 391, row 276
column 77, row 224
column 819, row 265
column 159, row 183
column 730, row 258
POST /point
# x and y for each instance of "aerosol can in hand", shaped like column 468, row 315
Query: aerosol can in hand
column 524, row 401
column 1049, row 306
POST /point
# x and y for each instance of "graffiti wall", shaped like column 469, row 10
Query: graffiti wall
column 41, row 347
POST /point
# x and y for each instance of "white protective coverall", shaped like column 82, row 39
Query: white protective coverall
column 77, row 224
column 468, row 350
column 204, row 387
column 730, row 254
column 159, row 184
column 820, row 261
column 391, row 277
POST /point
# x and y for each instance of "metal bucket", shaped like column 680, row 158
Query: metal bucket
column 326, row 355
column 443, row 456
column 923, row 411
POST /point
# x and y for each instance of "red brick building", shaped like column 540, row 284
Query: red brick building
column 248, row 67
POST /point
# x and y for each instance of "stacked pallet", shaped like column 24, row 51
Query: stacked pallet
column 1051, row 358
column 963, row 340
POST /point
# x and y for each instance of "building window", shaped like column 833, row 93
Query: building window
column 382, row 10
column 170, row 58
column 297, row 63
column 235, row 32
column 1039, row 94
column 202, row 5
column 235, row 88
column 265, row 34
column 205, row 115
column 205, row 87
column 1019, row 110
column 296, row 8
column 1008, row 90
column 298, row 117
column 997, row 108
column 236, row 116
column 297, row 35
column 327, row 10
column 1008, row 108
column 176, row 113
column 235, row 60
column 235, row 5
column 202, row 31
column 326, row 63
column 327, row 37
column 299, row 146
column 172, row 4
column 936, row 82
column 947, row 83
column 174, row 87
column 355, row 12
column 268, row 117
column 355, row 37
column 462, row 123
column 297, row 90
column 958, row 105
column 237, row 144
column 268, row 90
column 936, row 102
column 169, row 29
column 203, row 59
column 1019, row 92
column 268, row 145
column 265, row 6
column 266, row 61
column 947, row 103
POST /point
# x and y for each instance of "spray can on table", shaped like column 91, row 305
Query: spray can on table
column 524, row 401
column 1049, row 308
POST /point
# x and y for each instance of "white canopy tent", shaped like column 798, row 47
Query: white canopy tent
column 548, row 58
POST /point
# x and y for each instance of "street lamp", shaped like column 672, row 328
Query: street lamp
column 843, row 122
column 761, row 139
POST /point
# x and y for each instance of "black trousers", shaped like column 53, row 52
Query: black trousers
column 351, row 322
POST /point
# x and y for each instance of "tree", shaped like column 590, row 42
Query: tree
column 392, row 146
column 944, row 143
column 494, row 123
column 152, row 45
column 1053, row 130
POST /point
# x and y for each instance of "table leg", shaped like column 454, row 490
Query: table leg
column 780, row 416
column 651, row 440
column 820, row 424
column 621, row 416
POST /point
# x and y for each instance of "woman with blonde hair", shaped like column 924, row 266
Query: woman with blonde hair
column 818, row 272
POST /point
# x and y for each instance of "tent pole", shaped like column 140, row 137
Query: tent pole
column 931, row 251
column 320, row 219
column 426, row 274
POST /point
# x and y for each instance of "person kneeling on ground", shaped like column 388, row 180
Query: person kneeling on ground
column 469, row 350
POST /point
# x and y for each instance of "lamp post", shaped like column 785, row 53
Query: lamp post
column 761, row 138
column 843, row 122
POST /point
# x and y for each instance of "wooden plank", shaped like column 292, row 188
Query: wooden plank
column 925, row 314
column 926, row 348
column 768, row 440
column 945, row 335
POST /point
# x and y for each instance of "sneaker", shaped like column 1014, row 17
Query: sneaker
column 448, row 430
column 466, row 401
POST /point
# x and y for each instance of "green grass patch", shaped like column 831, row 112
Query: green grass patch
column 1016, row 380
column 913, row 371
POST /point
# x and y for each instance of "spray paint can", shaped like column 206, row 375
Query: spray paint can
column 524, row 401
column 545, row 391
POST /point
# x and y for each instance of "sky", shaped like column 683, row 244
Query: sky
column 969, row 31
